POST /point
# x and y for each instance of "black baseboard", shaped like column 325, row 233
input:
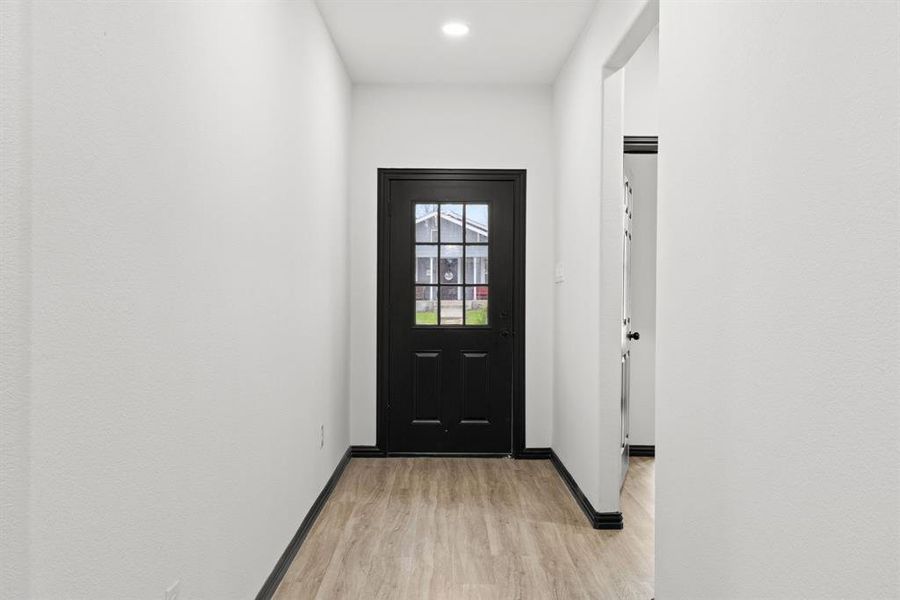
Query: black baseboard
column 375, row 452
column 608, row 520
column 367, row 452
column 281, row 567
column 641, row 450
column 535, row 454
column 449, row 454
column 598, row 520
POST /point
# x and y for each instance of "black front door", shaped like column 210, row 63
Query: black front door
column 450, row 251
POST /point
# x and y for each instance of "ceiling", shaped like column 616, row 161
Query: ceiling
column 400, row 41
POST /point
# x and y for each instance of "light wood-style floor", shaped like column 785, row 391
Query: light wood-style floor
column 470, row 528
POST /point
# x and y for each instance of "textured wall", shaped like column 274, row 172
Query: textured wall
column 778, row 365
column 642, row 88
column 15, row 283
column 189, row 291
column 472, row 127
column 588, row 304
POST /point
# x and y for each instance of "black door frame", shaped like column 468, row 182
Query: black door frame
column 641, row 144
column 385, row 177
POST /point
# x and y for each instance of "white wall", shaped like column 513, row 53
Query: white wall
column 14, row 298
column 478, row 127
column 779, row 285
column 588, row 304
column 641, row 172
column 642, row 88
column 188, row 291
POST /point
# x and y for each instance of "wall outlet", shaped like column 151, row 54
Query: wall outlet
column 559, row 274
column 321, row 436
column 172, row 591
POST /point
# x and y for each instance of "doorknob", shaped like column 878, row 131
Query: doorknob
column 505, row 333
column 633, row 335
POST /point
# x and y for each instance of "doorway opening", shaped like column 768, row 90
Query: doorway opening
column 640, row 166
column 639, row 124
column 630, row 136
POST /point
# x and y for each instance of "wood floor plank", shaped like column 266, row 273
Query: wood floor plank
column 471, row 528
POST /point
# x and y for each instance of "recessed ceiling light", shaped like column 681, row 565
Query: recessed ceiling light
column 455, row 29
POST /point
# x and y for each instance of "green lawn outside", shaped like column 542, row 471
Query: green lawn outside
column 426, row 318
column 477, row 316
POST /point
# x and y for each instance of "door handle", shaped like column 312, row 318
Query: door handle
column 505, row 333
column 633, row 335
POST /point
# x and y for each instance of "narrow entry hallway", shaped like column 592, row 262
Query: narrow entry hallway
column 396, row 299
